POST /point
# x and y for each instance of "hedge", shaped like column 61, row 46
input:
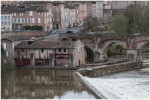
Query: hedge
column 36, row 27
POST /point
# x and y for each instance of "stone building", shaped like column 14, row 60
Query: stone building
column 70, row 16
column 82, row 12
column 8, row 43
column 58, row 14
column 48, row 53
column 31, row 14
column 6, row 21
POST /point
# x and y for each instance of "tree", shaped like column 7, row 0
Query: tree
column 119, row 24
column 93, row 24
column 138, row 19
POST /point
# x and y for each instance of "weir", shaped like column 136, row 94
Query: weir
column 105, row 70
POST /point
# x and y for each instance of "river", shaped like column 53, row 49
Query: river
column 42, row 84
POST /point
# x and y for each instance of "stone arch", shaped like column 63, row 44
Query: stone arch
column 89, row 54
column 141, row 44
column 118, row 42
column 144, row 54
column 88, row 42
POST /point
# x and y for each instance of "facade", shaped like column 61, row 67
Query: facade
column 30, row 15
column 6, row 21
column 58, row 15
column 82, row 12
column 48, row 53
column 70, row 16
column 8, row 43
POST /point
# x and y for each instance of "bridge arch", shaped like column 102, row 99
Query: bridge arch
column 120, row 46
column 141, row 44
column 118, row 42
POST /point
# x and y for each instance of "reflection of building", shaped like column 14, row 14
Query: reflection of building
column 45, row 83
column 48, row 53
column 6, row 21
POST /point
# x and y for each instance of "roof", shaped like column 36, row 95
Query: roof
column 12, row 9
column 36, row 8
column 70, row 7
column 24, row 36
column 17, row 9
column 45, row 44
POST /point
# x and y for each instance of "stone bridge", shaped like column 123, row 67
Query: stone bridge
column 99, row 44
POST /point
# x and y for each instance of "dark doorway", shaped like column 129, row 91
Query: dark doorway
column 79, row 62
column 89, row 55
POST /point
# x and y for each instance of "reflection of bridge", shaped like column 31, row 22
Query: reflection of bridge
column 100, row 43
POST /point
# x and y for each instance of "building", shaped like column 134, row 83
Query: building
column 48, row 53
column 30, row 14
column 82, row 12
column 70, row 16
column 6, row 21
column 8, row 43
column 58, row 14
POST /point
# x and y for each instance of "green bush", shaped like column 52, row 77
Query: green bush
column 36, row 27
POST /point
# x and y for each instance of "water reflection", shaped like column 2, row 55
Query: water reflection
column 53, row 84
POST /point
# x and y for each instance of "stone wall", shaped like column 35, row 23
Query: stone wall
column 110, row 69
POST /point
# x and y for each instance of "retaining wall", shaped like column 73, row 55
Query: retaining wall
column 110, row 69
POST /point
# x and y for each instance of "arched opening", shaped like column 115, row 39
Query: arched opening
column 89, row 55
column 115, row 51
column 145, row 51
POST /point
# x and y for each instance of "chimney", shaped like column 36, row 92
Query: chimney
column 31, row 40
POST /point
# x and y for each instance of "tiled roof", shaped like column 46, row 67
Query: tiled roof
column 12, row 9
column 24, row 36
column 43, row 44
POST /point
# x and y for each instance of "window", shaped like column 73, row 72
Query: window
column 39, row 20
column 5, row 17
column 33, row 21
column 30, row 13
column 18, row 20
column 59, row 50
column 64, row 50
column 21, row 14
column 42, row 50
column 7, row 53
column 28, row 20
column 8, row 22
column 14, row 20
column 8, row 17
column 78, row 49
column 14, row 14
column 22, row 20
column 4, row 45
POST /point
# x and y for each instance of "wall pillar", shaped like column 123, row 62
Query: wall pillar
column 133, row 54
column 99, row 55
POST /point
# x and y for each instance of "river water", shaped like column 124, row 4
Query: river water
column 42, row 84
